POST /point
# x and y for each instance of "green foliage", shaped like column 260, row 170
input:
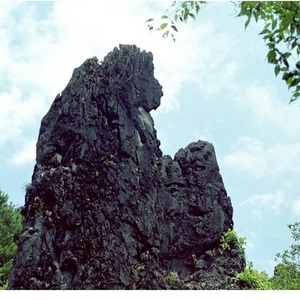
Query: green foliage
column 10, row 227
column 230, row 240
column 4, row 286
column 26, row 186
column 178, row 12
column 140, row 267
column 172, row 279
column 287, row 272
column 253, row 279
column 281, row 33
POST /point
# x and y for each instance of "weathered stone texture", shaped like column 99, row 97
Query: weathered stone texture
column 106, row 210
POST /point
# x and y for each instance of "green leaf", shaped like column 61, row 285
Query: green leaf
column 274, row 24
column 289, row 81
column 266, row 30
column 174, row 28
column 165, row 17
column 247, row 22
column 296, row 95
column 294, row 44
column 150, row 27
column 284, row 69
column 286, row 54
column 163, row 26
column 295, row 82
column 286, row 62
column 192, row 16
column 294, row 98
column 166, row 34
column 277, row 70
column 272, row 57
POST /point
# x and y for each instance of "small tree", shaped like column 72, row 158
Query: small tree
column 287, row 272
column 10, row 228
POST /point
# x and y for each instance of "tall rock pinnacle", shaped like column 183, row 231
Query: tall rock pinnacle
column 105, row 209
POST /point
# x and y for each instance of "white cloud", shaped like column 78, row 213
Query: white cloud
column 204, row 134
column 296, row 207
column 25, row 155
column 249, row 158
column 260, row 159
column 259, row 204
column 251, row 241
column 210, row 57
column 17, row 113
column 266, row 108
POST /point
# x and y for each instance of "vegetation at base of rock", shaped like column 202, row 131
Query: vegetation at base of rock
column 172, row 279
column 10, row 228
column 230, row 240
column 252, row 279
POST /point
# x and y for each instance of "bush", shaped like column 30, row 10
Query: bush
column 253, row 279
column 172, row 279
column 230, row 240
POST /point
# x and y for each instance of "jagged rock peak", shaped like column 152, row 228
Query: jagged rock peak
column 105, row 209
column 125, row 66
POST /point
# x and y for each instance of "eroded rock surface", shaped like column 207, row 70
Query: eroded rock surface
column 105, row 209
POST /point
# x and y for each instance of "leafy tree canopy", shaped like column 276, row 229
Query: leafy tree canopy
column 287, row 272
column 281, row 31
column 10, row 228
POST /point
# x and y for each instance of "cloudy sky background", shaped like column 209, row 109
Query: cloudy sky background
column 217, row 87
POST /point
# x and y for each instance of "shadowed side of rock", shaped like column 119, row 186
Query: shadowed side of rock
column 105, row 209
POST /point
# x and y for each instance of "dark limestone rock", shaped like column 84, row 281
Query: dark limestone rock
column 105, row 209
column 197, row 210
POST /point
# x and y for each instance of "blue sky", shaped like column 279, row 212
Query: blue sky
column 217, row 87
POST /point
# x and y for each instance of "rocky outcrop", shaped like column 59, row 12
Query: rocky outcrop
column 105, row 209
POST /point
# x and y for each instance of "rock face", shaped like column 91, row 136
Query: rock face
column 105, row 209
